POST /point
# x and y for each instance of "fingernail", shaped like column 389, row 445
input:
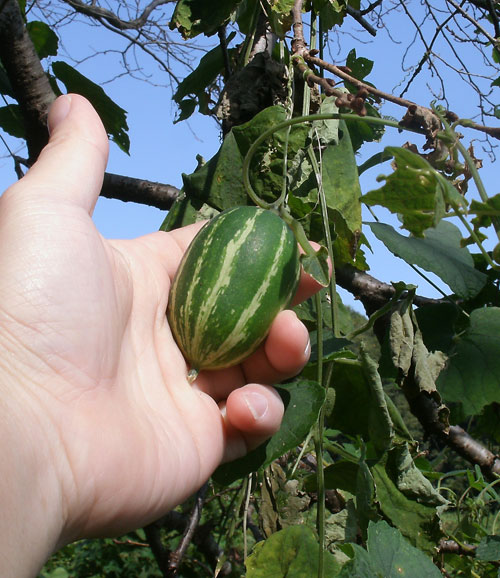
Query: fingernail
column 58, row 111
column 257, row 404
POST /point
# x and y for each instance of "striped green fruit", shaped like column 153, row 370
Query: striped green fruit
column 239, row 272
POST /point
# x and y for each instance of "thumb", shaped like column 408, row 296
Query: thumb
column 71, row 166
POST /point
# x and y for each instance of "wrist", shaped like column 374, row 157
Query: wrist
column 33, row 508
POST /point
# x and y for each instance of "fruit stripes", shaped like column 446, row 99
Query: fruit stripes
column 237, row 274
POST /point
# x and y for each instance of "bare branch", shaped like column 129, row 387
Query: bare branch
column 111, row 18
column 176, row 556
column 129, row 189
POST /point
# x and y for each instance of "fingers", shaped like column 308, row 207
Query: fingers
column 252, row 414
column 71, row 167
column 283, row 354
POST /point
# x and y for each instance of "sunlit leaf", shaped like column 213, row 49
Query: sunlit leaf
column 415, row 191
column 289, row 553
column 439, row 252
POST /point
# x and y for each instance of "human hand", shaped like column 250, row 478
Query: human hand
column 101, row 431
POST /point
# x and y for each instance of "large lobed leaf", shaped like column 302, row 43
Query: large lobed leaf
column 388, row 555
column 438, row 251
column 472, row 376
column 415, row 191
column 289, row 553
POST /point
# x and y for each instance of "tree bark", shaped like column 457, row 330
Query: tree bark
column 30, row 85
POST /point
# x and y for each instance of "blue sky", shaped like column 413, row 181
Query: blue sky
column 162, row 151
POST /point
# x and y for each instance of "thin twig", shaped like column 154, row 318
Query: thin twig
column 176, row 556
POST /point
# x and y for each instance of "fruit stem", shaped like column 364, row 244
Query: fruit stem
column 192, row 375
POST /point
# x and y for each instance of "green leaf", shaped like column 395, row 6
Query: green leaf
column 360, row 67
column 5, row 85
column 416, row 191
column 331, row 12
column 388, row 555
column 113, row 117
column 410, row 355
column 341, row 475
column 409, row 479
column 472, row 376
column 417, row 521
column 317, row 266
column 303, row 400
column 197, row 83
column 360, row 407
column 485, row 211
column 44, row 39
column 193, row 17
column 280, row 16
column 219, row 181
column 342, row 195
column 289, row 553
column 186, row 211
column 381, row 429
column 11, row 120
column 439, row 252
column 488, row 549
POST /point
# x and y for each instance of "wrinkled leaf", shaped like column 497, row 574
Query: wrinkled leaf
column 410, row 355
column 415, row 190
column 439, row 252
column 280, row 16
column 417, row 521
column 289, row 553
column 472, row 376
column 380, row 425
column 303, row 400
column 114, row 118
column 388, row 555
column 409, row 479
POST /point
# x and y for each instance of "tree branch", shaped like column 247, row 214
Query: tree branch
column 129, row 189
column 34, row 94
column 176, row 556
column 99, row 13
column 30, row 85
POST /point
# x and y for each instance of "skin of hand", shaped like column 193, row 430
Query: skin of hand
column 100, row 431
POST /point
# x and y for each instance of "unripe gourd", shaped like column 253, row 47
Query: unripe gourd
column 238, row 273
